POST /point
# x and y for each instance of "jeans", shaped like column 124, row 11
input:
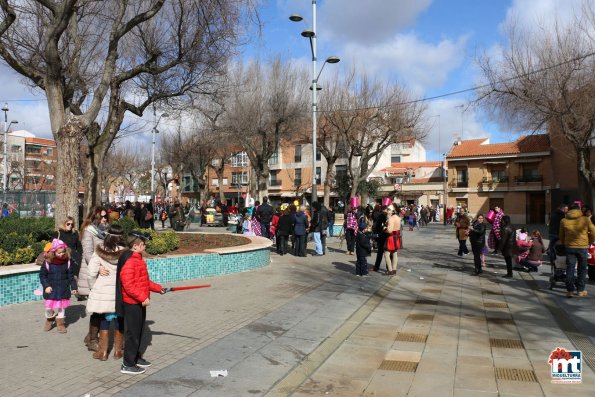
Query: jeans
column 282, row 244
column 462, row 248
column 330, row 229
column 350, row 237
column 550, row 247
column 318, row 243
column 572, row 256
column 477, row 257
column 300, row 245
column 265, row 229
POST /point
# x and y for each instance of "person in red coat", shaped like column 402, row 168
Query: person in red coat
column 135, row 288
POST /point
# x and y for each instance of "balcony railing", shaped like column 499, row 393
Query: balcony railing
column 528, row 178
column 501, row 179
column 462, row 184
column 275, row 183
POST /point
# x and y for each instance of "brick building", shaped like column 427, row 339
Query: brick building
column 513, row 175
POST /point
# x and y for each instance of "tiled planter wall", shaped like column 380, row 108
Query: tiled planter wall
column 19, row 287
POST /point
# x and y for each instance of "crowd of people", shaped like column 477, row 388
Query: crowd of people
column 106, row 268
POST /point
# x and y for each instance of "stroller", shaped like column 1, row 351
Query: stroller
column 558, row 261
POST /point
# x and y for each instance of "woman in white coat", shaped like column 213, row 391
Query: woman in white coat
column 92, row 233
column 102, row 299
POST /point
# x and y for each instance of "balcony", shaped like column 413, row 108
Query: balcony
column 528, row 178
column 462, row 184
column 275, row 185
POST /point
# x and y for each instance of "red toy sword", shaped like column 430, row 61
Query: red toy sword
column 174, row 289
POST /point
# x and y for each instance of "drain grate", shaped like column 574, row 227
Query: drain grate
column 506, row 343
column 410, row 337
column 401, row 366
column 488, row 292
column 520, row 375
column 432, row 290
column 426, row 302
column 495, row 304
column 501, row 321
column 420, row 317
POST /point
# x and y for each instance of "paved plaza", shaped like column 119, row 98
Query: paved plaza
column 310, row 327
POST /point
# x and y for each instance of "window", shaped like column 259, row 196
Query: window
column 33, row 149
column 274, row 176
column 187, row 184
column 317, row 154
column 298, row 177
column 340, row 170
column 15, row 148
column 318, row 176
column 50, row 151
column 215, row 162
column 395, row 159
column 461, row 177
column 341, row 149
column 499, row 175
column 239, row 160
column 274, row 160
column 215, row 182
column 298, row 154
column 239, row 178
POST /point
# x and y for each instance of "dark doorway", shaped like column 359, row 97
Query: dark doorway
column 536, row 207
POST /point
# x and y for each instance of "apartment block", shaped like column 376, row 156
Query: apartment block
column 515, row 176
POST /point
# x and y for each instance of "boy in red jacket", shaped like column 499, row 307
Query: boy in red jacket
column 135, row 286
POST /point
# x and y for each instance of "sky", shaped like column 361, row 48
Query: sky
column 429, row 46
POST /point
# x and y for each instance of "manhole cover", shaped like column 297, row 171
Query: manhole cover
column 420, row 317
column 426, row 302
column 495, row 304
column 432, row 290
column 501, row 320
column 410, row 337
column 402, row 366
column 521, row 375
column 506, row 343
column 487, row 292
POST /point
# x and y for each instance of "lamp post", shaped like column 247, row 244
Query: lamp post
column 155, row 132
column 311, row 35
column 6, row 127
column 444, row 184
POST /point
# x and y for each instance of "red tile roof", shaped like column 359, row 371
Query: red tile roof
column 479, row 147
column 40, row 141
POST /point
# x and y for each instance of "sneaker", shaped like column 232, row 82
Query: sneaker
column 141, row 362
column 583, row 293
column 132, row 370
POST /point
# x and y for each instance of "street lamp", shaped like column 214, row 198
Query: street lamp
column 444, row 184
column 6, row 127
column 155, row 131
column 463, row 110
column 311, row 35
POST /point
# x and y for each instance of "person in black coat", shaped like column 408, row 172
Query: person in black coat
column 331, row 221
column 284, row 230
column 363, row 249
column 70, row 236
column 507, row 243
column 381, row 236
column 300, row 229
column 477, row 236
column 264, row 215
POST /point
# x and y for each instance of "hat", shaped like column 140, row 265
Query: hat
column 57, row 244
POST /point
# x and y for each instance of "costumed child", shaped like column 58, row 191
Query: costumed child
column 363, row 249
column 58, row 283
column 247, row 225
column 133, row 290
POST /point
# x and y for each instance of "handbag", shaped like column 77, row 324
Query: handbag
column 490, row 216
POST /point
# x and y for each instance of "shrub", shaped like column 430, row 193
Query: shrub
column 127, row 224
column 5, row 258
column 38, row 228
column 10, row 242
column 37, row 247
column 24, row 255
column 162, row 242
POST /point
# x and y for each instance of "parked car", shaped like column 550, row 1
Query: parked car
column 213, row 217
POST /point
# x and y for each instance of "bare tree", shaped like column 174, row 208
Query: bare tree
column 544, row 79
column 266, row 105
column 371, row 117
column 86, row 54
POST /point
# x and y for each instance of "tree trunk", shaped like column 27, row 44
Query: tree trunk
column 93, row 175
column 262, row 180
column 220, row 182
column 68, row 142
column 584, row 177
column 328, row 181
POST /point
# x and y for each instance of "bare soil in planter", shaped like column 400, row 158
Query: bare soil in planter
column 191, row 243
